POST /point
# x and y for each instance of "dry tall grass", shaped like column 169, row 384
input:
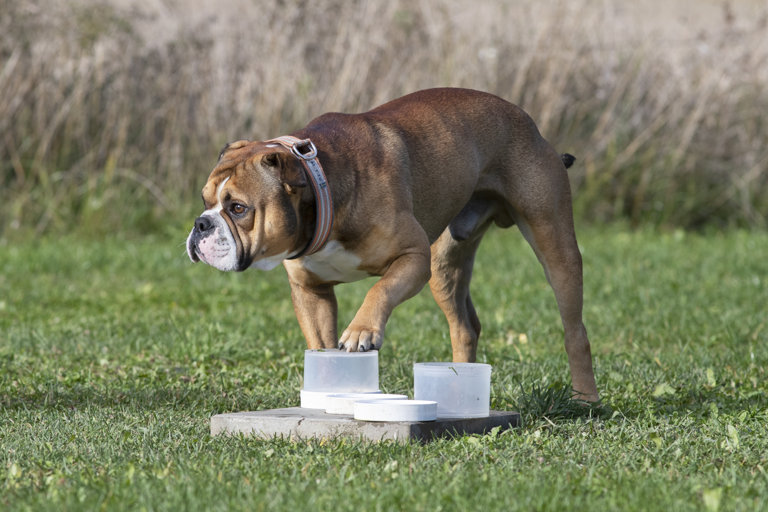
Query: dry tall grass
column 112, row 112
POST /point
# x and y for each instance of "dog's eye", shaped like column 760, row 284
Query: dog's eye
column 237, row 209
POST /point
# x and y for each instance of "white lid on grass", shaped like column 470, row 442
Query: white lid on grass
column 343, row 403
column 319, row 399
column 395, row 410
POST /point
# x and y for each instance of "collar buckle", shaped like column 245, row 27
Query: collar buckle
column 310, row 154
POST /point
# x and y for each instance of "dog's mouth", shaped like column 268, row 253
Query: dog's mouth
column 243, row 263
column 193, row 248
column 221, row 247
column 215, row 247
column 194, row 256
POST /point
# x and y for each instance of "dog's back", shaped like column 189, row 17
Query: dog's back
column 450, row 144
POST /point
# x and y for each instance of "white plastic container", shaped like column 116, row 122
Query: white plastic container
column 395, row 410
column 323, row 399
column 461, row 390
column 343, row 403
column 337, row 371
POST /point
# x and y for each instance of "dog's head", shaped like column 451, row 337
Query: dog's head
column 252, row 200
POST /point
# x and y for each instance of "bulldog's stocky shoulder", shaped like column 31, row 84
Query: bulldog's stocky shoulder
column 333, row 263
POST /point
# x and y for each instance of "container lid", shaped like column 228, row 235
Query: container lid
column 395, row 410
column 457, row 368
column 319, row 399
column 334, row 352
column 343, row 403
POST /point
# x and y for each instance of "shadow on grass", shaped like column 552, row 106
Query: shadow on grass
column 706, row 402
column 556, row 402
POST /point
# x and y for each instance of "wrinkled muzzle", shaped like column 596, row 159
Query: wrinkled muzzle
column 211, row 241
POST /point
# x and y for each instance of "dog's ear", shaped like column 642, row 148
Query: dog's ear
column 289, row 170
column 223, row 150
column 232, row 145
column 271, row 160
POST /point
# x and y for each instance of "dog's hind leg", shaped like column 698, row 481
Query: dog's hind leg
column 554, row 242
column 452, row 262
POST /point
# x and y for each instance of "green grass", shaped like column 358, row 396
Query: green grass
column 115, row 353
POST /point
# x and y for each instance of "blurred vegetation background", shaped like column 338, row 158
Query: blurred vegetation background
column 112, row 112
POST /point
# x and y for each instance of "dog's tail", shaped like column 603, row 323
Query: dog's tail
column 567, row 159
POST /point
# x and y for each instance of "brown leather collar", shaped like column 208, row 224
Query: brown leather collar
column 306, row 151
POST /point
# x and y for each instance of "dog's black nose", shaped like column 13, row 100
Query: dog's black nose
column 203, row 224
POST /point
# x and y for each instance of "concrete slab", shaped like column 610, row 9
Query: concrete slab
column 298, row 423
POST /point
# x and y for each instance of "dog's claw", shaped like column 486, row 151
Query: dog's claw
column 360, row 340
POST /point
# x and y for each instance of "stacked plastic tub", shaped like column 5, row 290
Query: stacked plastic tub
column 342, row 382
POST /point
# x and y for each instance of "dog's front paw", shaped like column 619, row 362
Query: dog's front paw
column 361, row 339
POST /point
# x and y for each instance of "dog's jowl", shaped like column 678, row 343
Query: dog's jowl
column 405, row 192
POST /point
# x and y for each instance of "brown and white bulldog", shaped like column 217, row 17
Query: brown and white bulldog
column 405, row 192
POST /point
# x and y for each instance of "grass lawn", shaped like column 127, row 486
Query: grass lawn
column 115, row 353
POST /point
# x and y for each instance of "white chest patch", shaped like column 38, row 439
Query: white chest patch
column 334, row 263
column 270, row 262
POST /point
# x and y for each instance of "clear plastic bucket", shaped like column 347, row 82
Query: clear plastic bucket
column 461, row 390
column 337, row 371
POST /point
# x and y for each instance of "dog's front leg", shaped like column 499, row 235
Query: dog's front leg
column 404, row 278
column 316, row 310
